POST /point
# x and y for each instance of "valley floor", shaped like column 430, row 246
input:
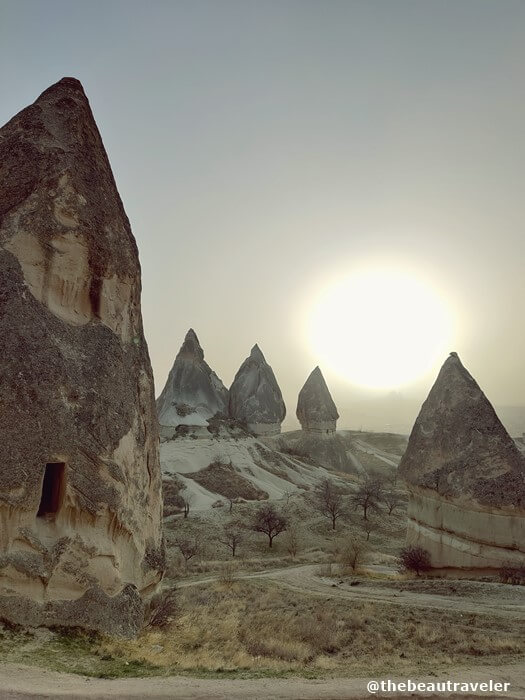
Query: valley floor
column 24, row 682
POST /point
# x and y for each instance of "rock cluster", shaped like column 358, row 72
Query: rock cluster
column 193, row 392
column 255, row 397
column 316, row 410
column 80, row 487
column 466, row 479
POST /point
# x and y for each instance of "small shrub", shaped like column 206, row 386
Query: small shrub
column 228, row 574
column 512, row 574
column 415, row 559
column 161, row 610
column 351, row 552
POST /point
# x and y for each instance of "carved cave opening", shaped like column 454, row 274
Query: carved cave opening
column 52, row 489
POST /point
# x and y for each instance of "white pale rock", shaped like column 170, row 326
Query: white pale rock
column 255, row 397
column 193, row 392
column 466, row 479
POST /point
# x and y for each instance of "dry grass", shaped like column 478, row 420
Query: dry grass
column 252, row 626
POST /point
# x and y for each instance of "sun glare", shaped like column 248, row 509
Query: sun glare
column 380, row 328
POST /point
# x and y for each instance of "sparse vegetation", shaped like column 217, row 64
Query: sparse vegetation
column 512, row 574
column 328, row 500
column 369, row 494
column 255, row 628
column 269, row 521
column 161, row 609
column 188, row 547
column 415, row 559
column 292, row 540
column 351, row 552
column 392, row 500
column 232, row 536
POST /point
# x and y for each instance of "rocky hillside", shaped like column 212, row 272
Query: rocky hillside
column 230, row 463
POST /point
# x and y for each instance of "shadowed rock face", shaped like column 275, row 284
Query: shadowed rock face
column 80, row 488
column 316, row 410
column 255, row 397
column 193, row 392
column 466, row 478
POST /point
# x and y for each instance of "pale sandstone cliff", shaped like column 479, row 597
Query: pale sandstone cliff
column 80, row 488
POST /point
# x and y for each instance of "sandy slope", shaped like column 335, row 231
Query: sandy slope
column 268, row 469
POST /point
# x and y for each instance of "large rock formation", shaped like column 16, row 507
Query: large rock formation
column 316, row 410
column 466, row 478
column 317, row 414
column 193, row 393
column 80, row 488
column 255, row 397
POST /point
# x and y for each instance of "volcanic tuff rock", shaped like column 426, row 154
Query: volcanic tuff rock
column 316, row 409
column 466, row 478
column 80, row 487
column 193, row 392
column 255, row 397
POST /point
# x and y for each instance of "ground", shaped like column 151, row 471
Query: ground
column 290, row 621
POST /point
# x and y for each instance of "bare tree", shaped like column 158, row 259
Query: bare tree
column 291, row 540
column 268, row 520
column 188, row 548
column 187, row 499
column 351, row 552
column 231, row 537
column 369, row 494
column 369, row 526
column 391, row 477
column 329, row 501
column 392, row 501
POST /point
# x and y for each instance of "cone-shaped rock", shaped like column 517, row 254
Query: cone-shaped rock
column 466, row 478
column 193, row 392
column 317, row 413
column 255, row 397
column 80, row 488
column 316, row 410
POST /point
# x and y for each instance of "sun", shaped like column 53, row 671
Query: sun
column 380, row 327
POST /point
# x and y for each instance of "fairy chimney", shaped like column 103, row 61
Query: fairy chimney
column 316, row 410
column 193, row 392
column 466, row 479
column 80, row 490
column 255, row 397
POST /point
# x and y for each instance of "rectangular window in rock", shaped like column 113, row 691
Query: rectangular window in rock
column 52, row 489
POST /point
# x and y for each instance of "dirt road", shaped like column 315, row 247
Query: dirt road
column 490, row 599
column 25, row 682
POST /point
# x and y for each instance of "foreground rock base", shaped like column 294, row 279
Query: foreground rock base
column 463, row 539
column 121, row 615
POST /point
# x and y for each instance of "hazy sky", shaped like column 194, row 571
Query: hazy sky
column 264, row 148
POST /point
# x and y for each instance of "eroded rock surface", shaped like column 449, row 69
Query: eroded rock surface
column 466, row 478
column 255, row 397
column 316, row 410
column 193, row 393
column 80, row 489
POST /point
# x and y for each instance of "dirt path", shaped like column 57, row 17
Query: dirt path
column 501, row 602
column 24, row 682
